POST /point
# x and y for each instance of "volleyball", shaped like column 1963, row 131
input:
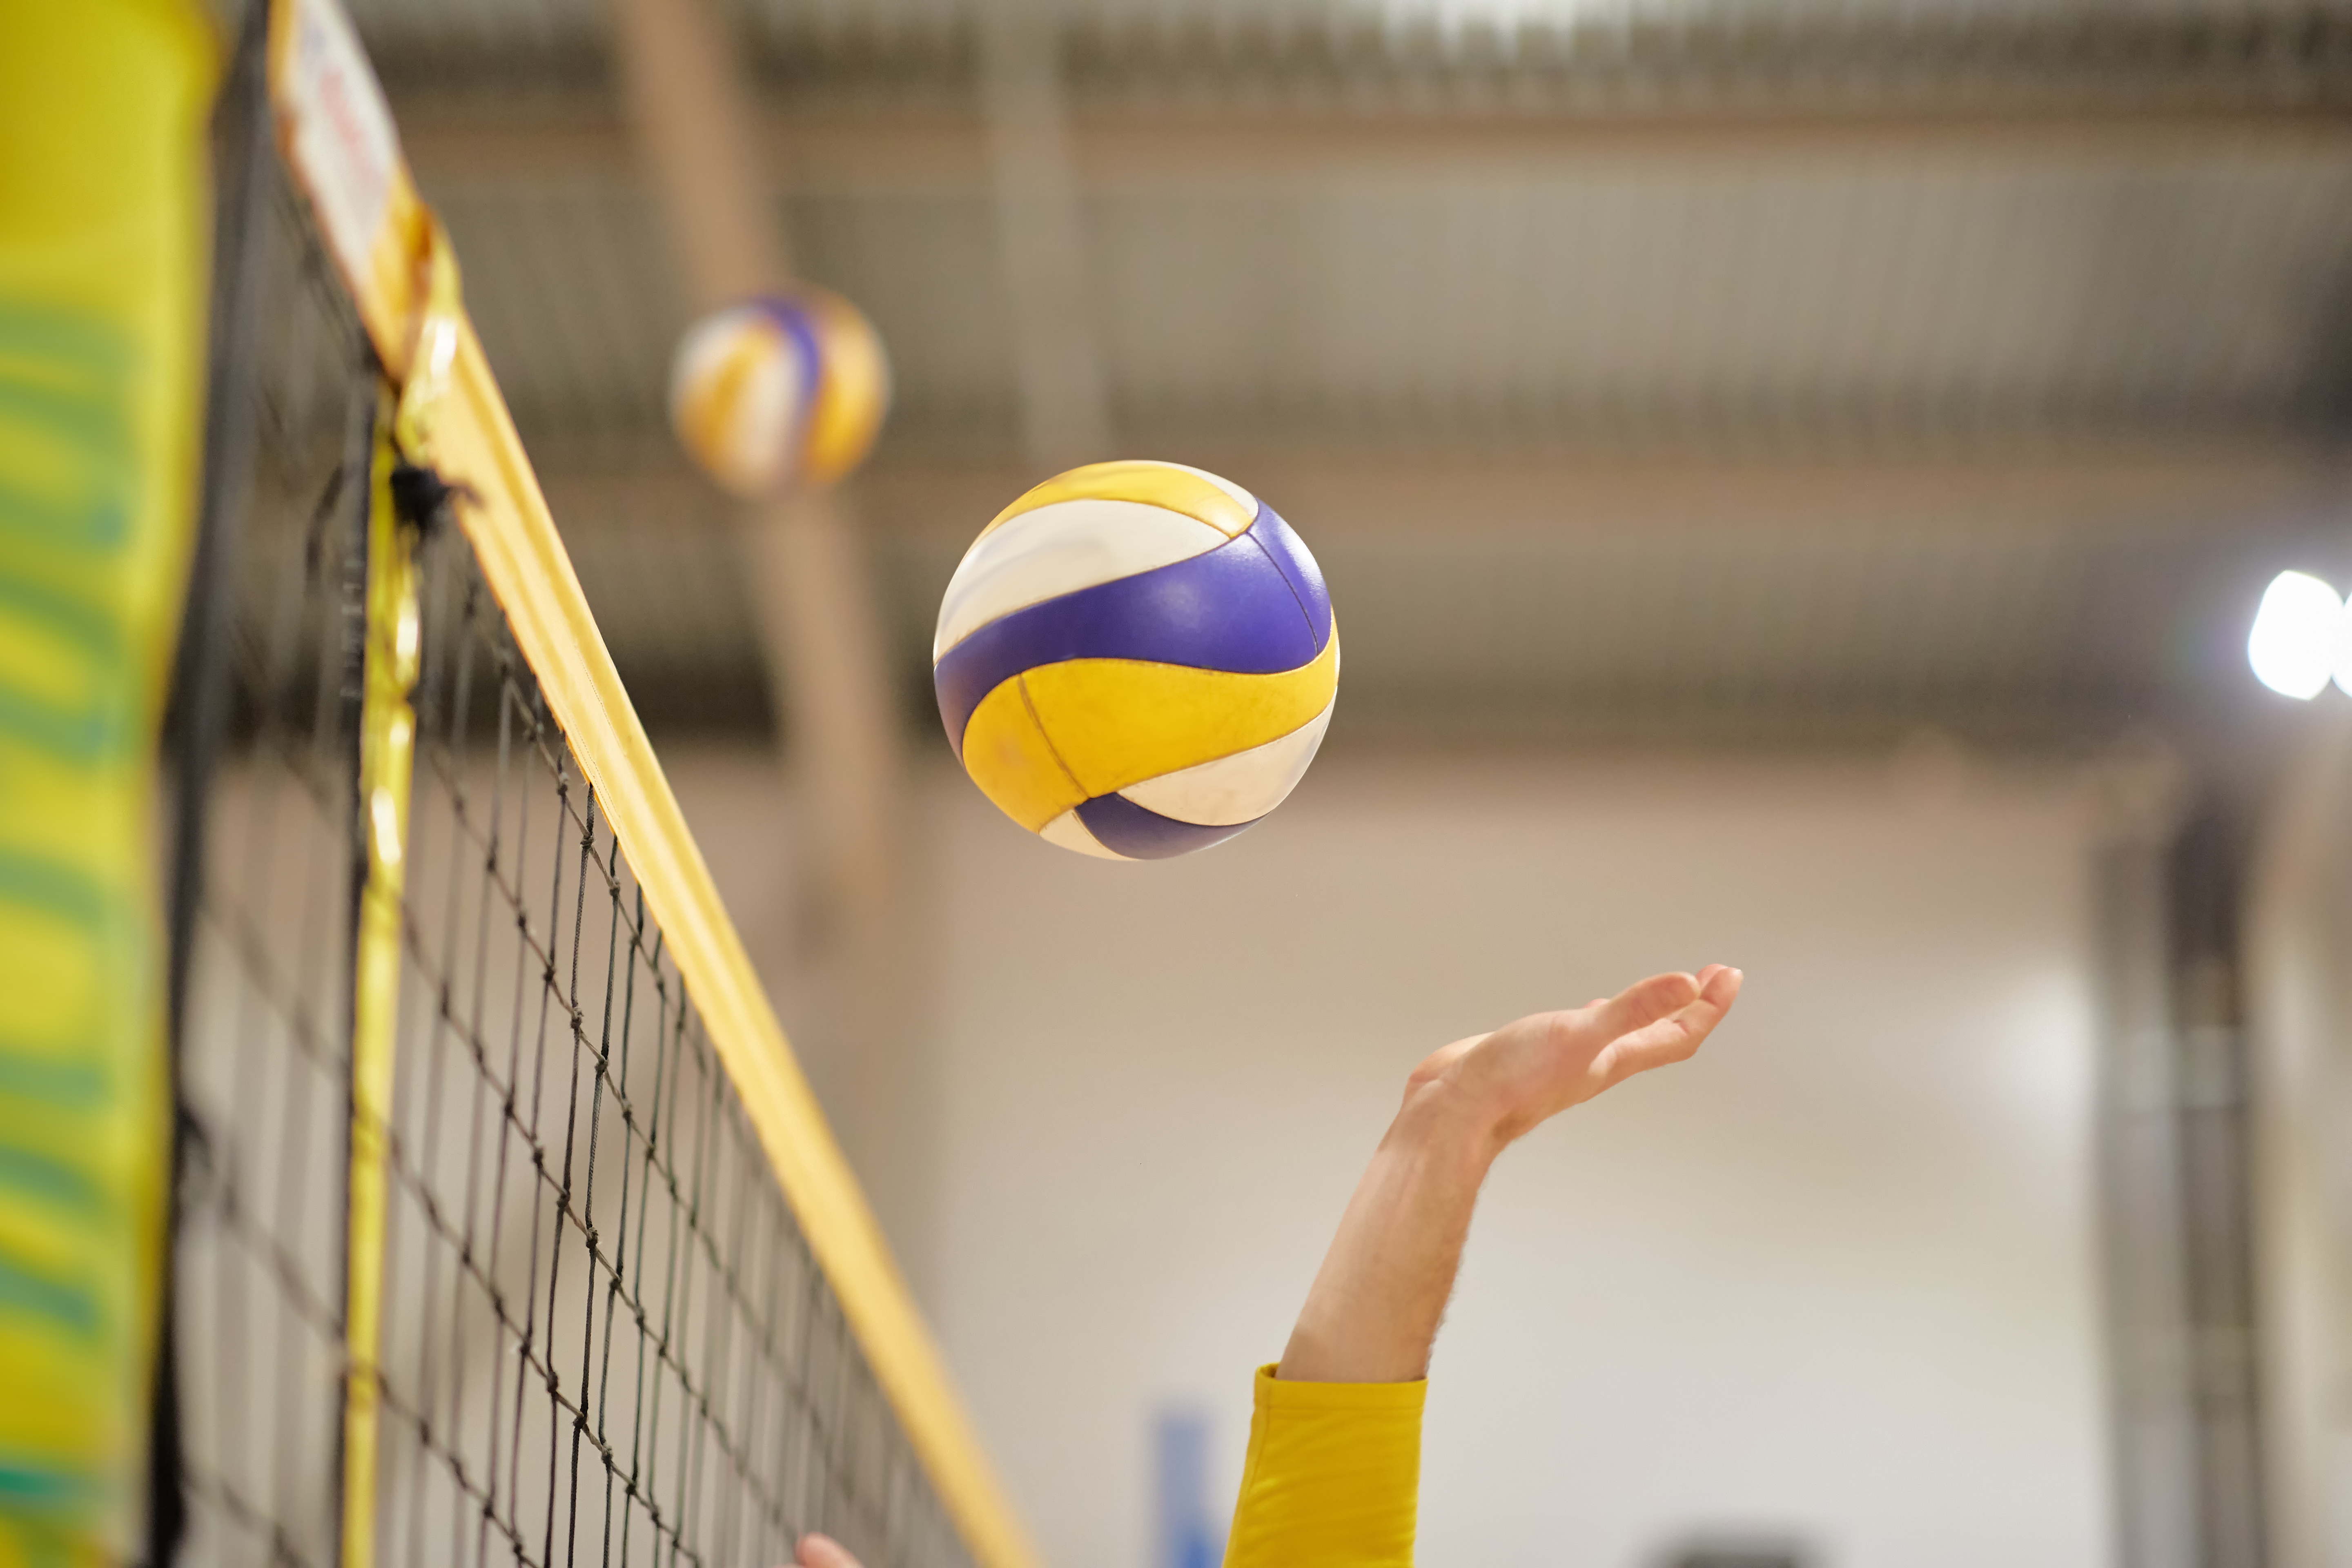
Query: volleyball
column 783, row 390
column 1135, row 660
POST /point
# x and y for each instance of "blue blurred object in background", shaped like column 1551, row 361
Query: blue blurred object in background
column 1184, row 1533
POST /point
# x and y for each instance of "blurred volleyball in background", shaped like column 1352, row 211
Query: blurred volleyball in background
column 1136, row 660
column 783, row 390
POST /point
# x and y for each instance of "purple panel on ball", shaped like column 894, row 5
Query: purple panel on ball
column 1297, row 564
column 1125, row 828
column 794, row 318
column 1228, row 608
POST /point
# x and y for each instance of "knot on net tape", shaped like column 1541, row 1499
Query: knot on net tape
column 423, row 497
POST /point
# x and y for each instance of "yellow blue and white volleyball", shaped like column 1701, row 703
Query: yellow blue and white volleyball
column 1137, row 660
column 788, row 389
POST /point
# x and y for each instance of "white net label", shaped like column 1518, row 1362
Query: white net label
column 344, row 146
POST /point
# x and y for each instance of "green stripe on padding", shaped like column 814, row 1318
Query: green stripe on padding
column 71, row 1308
column 28, row 1486
column 63, row 1082
column 53, row 1181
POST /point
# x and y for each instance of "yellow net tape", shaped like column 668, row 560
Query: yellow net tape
column 387, row 758
column 388, row 748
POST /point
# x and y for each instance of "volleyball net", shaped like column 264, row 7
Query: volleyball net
column 509, row 1230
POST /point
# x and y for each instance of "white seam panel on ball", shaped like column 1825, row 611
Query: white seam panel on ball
column 1070, row 833
column 1059, row 549
column 699, row 356
column 1236, row 789
column 699, row 353
column 765, row 415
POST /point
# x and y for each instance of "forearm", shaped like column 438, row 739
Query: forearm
column 1332, row 1475
column 1372, row 1313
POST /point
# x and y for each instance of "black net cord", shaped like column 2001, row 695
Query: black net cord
column 243, row 152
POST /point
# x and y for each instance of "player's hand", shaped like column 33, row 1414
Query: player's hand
column 822, row 1552
column 1524, row 1073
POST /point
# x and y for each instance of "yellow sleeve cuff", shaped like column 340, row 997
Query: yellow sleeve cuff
column 1333, row 1476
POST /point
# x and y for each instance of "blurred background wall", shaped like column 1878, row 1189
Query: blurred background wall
column 1835, row 1286
column 1796, row 476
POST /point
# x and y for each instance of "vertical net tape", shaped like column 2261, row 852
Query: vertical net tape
column 604, row 1339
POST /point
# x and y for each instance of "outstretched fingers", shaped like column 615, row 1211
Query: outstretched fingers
column 1673, row 1034
column 1644, row 1003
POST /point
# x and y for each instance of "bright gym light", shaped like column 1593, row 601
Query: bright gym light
column 2300, row 637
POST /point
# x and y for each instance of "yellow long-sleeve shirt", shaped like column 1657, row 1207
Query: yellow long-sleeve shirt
column 1333, row 1476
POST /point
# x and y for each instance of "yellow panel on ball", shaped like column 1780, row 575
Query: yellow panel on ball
column 1014, row 763
column 1093, row 662
column 1227, row 508
column 1115, row 722
column 854, row 394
